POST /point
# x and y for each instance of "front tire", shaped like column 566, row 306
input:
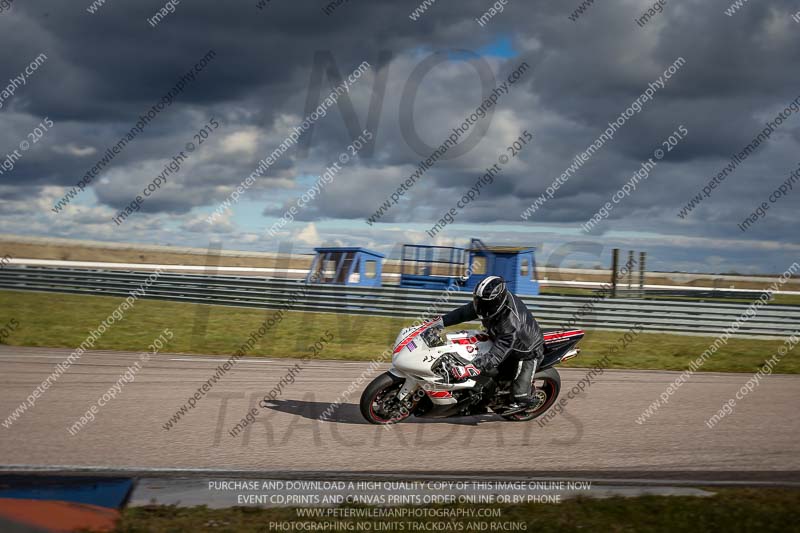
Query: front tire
column 375, row 397
column 546, row 391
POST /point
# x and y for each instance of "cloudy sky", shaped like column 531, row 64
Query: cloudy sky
column 271, row 66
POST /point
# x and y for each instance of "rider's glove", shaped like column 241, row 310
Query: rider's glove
column 463, row 372
column 484, row 366
column 479, row 362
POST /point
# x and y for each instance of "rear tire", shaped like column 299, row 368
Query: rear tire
column 547, row 391
column 371, row 399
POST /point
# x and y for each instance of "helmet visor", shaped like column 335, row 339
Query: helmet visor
column 488, row 308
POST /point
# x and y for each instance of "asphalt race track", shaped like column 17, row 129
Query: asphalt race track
column 597, row 431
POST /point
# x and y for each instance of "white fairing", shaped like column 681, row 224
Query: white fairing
column 413, row 359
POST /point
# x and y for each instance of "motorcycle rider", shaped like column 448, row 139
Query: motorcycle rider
column 516, row 334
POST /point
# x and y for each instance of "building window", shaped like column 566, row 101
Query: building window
column 370, row 269
column 479, row 265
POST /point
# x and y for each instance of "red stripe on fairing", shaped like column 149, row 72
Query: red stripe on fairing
column 439, row 394
column 402, row 343
column 563, row 335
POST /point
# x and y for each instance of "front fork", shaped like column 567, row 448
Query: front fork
column 412, row 391
column 410, row 384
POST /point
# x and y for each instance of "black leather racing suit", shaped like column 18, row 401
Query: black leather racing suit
column 517, row 338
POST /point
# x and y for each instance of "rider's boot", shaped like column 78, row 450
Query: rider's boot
column 520, row 404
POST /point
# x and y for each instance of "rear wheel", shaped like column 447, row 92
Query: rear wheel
column 379, row 404
column 546, row 386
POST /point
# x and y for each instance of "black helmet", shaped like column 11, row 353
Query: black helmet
column 489, row 296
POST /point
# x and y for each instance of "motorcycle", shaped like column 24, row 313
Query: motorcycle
column 421, row 381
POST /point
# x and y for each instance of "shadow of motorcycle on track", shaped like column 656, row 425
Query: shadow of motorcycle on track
column 348, row 413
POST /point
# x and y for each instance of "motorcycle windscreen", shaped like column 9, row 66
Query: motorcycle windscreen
column 432, row 337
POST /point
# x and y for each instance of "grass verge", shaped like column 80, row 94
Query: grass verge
column 64, row 320
column 729, row 510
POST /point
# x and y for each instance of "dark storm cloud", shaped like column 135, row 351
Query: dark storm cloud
column 106, row 69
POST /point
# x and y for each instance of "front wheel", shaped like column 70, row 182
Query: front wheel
column 379, row 403
column 546, row 386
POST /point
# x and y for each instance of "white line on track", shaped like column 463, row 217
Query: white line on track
column 197, row 360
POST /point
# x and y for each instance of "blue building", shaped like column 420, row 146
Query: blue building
column 346, row 266
column 517, row 265
column 443, row 267
column 424, row 266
